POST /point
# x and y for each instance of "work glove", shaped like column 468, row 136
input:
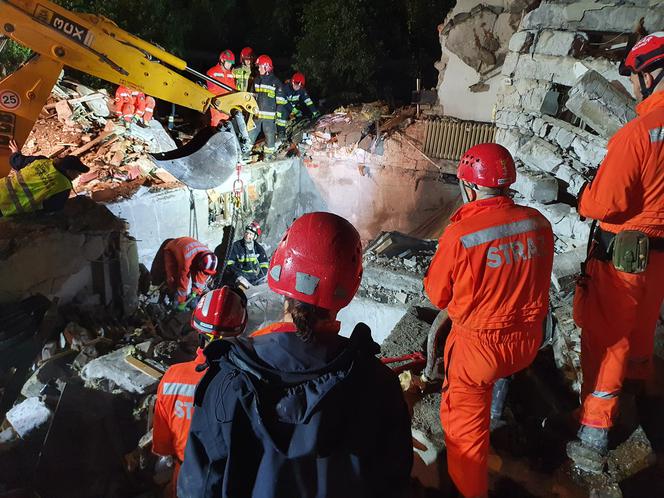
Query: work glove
column 181, row 307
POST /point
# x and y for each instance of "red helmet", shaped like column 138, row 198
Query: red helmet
column 647, row 52
column 247, row 53
column 207, row 263
column 227, row 56
column 298, row 78
column 318, row 261
column 264, row 60
column 254, row 227
column 221, row 312
column 487, row 165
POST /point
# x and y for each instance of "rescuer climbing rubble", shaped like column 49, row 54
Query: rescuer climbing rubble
column 492, row 273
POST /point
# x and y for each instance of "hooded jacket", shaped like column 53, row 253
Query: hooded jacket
column 279, row 417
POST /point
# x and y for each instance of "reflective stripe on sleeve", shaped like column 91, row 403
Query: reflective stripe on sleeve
column 656, row 134
column 604, row 395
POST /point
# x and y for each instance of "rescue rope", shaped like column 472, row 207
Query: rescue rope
column 236, row 202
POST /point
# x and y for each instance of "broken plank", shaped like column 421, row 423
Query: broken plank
column 78, row 100
column 143, row 367
column 92, row 143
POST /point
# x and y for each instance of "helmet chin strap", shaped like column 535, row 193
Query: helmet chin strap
column 645, row 91
column 464, row 192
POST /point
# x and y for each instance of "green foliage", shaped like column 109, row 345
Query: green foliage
column 336, row 51
column 362, row 49
column 12, row 56
column 165, row 23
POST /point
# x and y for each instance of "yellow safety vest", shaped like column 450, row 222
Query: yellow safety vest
column 24, row 191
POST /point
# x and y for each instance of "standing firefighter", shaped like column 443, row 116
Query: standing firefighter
column 223, row 72
column 296, row 409
column 268, row 89
column 295, row 102
column 247, row 260
column 617, row 302
column 492, row 271
column 184, row 265
column 219, row 313
column 37, row 183
column 244, row 74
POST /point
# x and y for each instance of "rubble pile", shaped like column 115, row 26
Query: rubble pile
column 79, row 121
column 394, row 266
column 72, row 366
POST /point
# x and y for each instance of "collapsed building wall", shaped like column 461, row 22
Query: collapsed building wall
column 474, row 39
column 81, row 254
column 561, row 100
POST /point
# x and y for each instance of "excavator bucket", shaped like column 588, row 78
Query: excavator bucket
column 206, row 161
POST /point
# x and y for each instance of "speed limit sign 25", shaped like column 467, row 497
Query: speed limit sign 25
column 9, row 100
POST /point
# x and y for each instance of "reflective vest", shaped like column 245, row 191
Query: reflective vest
column 24, row 191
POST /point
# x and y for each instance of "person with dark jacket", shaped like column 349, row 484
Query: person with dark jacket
column 295, row 410
column 37, row 183
column 269, row 95
column 247, row 261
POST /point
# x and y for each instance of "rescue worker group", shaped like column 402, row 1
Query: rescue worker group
column 294, row 409
column 279, row 103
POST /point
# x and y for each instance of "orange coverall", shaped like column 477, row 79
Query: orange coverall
column 218, row 72
column 173, row 411
column 618, row 311
column 181, row 279
column 492, row 271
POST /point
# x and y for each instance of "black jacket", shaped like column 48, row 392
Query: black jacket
column 277, row 417
column 252, row 265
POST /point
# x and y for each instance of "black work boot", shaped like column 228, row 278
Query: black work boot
column 590, row 450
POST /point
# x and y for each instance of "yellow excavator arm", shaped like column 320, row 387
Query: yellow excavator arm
column 96, row 46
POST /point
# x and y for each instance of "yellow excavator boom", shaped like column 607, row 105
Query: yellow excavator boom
column 96, row 46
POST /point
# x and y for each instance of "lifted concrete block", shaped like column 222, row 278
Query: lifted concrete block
column 538, row 154
column 536, row 186
column 28, row 416
column 566, row 266
column 600, row 104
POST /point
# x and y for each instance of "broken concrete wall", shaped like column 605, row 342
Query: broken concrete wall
column 397, row 189
column 81, row 254
column 474, row 39
column 561, row 100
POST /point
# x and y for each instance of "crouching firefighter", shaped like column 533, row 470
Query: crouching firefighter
column 247, row 261
column 183, row 266
column 492, row 273
column 220, row 313
column 295, row 409
column 617, row 300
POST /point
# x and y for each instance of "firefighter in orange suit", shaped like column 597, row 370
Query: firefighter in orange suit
column 492, row 272
column 617, row 303
column 220, row 313
column 184, row 266
column 223, row 71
